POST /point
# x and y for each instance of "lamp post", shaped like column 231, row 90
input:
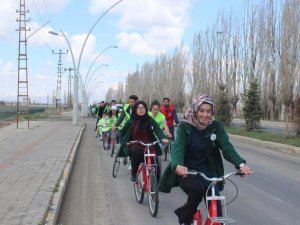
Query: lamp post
column 76, row 69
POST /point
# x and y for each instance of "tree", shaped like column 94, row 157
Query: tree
column 223, row 113
column 252, row 109
column 296, row 116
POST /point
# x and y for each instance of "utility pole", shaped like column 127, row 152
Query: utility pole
column 59, row 73
column 69, row 88
column 22, row 65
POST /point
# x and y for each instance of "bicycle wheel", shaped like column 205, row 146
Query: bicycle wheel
column 116, row 166
column 113, row 144
column 138, row 185
column 104, row 140
column 167, row 151
column 153, row 193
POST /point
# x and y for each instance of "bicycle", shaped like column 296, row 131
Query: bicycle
column 118, row 160
column 146, row 181
column 212, row 201
column 113, row 142
column 105, row 140
column 167, row 150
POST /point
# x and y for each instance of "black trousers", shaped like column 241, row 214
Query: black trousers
column 195, row 187
column 137, row 157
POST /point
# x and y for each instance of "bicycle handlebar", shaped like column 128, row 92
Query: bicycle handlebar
column 214, row 179
column 142, row 143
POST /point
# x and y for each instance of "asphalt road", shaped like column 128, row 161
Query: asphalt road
column 269, row 196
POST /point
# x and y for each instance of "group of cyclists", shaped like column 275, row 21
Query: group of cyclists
column 198, row 145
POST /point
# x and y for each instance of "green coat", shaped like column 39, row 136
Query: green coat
column 212, row 151
column 125, row 133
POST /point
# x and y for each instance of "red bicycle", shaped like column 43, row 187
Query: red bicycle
column 146, row 181
column 213, row 216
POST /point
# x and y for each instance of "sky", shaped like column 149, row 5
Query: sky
column 142, row 30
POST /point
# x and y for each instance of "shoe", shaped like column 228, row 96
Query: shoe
column 125, row 161
column 108, row 147
column 133, row 178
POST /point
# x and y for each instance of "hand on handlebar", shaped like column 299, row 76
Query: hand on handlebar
column 246, row 170
column 181, row 170
column 165, row 141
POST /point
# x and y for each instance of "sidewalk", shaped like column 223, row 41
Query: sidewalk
column 32, row 161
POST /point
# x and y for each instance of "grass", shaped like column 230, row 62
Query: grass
column 264, row 136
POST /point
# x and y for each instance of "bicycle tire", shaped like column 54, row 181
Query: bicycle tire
column 153, row 199
column 104, row 138
column 169, row 151
column 113, row 144
column 116, row 166
column 138, row 186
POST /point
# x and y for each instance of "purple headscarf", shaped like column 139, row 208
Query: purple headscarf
column 190, row 116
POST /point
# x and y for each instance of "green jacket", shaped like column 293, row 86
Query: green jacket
column 212, row 151
column 125, row 133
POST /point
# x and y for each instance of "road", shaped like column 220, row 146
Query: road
column 269, row 196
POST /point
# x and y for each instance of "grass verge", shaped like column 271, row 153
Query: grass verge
column 264, row 136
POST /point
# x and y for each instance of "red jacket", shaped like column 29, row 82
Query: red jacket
column 168, row 112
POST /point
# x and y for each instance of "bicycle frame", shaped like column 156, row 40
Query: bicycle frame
column 146, row 178
column 211, row 201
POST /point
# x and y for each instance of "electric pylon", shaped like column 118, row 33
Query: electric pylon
column 59, row 73
column 23, row 98
column 69, row 88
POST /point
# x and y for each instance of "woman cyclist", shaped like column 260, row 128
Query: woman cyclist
column 140, row 127
column 197, row 147
column 159, row 118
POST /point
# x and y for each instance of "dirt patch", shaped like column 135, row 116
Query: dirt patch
column 5, row 123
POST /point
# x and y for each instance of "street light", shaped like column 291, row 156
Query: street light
column 75, row 83
column 76, row 69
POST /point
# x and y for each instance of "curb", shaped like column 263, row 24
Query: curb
column 267, row 144
column 55, row 202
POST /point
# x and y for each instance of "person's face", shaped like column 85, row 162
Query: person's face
column 114, row 112
column 131, row 103
column 166, row 103
column 204, row 113
column 155, row 109
column 113, row 103
column 141, row 110
column 102, row 104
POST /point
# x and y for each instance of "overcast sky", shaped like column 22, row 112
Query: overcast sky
column 142, row 29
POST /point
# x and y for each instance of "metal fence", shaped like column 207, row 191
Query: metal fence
column 10, row 112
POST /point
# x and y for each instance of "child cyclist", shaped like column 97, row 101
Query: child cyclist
column 112, row 118
column 102, row 125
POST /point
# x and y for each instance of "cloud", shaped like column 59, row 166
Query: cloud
column 148, row 27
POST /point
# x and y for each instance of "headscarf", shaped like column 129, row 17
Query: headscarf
column 190, row 116
column 134, row 114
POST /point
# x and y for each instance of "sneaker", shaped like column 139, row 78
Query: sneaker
column 108, row 147
column 133, row 178
column 124, row 161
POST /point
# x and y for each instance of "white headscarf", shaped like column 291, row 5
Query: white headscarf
column 190, row 116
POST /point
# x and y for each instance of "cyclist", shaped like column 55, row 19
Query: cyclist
column 100, row 110
column 126, row 112
column 140, row 127
column 101, row 125
column 112, row 118
column 197, row 147
column 112, row 103
column 170, row 113
column 159, row 118
column 94, row 109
